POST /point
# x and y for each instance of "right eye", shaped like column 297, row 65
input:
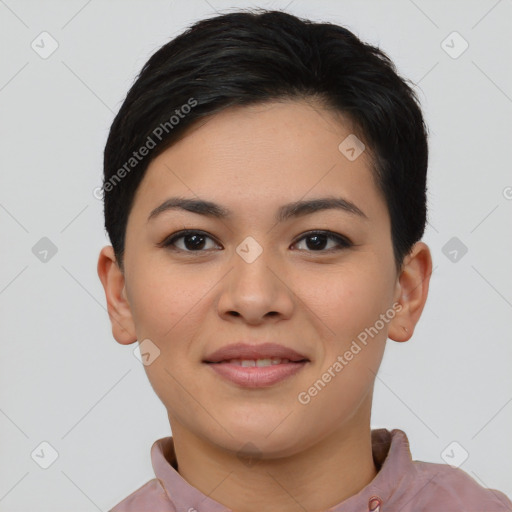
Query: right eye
column 193, row 241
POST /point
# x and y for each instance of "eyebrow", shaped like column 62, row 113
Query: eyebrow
column 285, row 212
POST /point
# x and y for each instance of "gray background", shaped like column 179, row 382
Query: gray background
column 65, row 380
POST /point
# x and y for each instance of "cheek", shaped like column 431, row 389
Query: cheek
column 166, row 303
column 168, row 311
column 350, row 306
column 348, row 300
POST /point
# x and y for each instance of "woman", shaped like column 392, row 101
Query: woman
column 265, row 196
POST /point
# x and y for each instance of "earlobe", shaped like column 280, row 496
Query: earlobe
column 412, row 292
column 119, row 312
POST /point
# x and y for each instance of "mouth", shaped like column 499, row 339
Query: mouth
column 259, row 363
column 257, row 373
column 255, row 366
column 265, row 353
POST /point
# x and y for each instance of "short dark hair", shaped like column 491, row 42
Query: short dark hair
column 257, row 55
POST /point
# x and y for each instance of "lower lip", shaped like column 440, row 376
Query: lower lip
column 256, row 376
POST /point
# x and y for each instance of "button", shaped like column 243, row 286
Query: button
column 374, row 504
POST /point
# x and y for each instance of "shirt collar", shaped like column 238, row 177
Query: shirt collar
column 391, row 454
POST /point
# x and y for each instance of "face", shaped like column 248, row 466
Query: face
column 314, row 282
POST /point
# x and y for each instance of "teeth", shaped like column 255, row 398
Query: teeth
column 258, row 362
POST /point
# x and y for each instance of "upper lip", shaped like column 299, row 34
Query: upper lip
column 252, row 352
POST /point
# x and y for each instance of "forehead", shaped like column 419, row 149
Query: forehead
column 260, row 156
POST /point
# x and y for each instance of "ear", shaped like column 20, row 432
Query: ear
column 112, row 279
column 411, row 291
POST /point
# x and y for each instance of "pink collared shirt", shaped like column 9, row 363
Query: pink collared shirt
column 401, row 485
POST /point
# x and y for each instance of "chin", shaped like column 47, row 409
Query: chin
column 262, row 439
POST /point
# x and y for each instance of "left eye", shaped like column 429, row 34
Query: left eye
column 195, row 241
column 319, row 239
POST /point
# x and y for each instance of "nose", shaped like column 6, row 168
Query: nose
column 254, row 292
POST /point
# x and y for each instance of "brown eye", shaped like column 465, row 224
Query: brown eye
column 197, row 241
column 193, row 241
column 316, row 241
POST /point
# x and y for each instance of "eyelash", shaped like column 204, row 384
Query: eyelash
column 343, row 242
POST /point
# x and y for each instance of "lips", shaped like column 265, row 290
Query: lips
column 256, row 366
column 262, row 351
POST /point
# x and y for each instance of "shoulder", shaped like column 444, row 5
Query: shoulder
column 441, row 484
column 150, row 497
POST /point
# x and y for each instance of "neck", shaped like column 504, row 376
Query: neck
column 317, row 478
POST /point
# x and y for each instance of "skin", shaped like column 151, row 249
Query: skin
column 252, row 160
